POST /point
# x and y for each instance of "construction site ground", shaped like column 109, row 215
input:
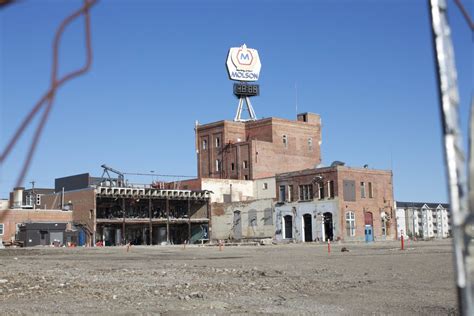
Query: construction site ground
column 275, row 279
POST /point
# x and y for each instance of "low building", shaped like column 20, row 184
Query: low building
column 44, row 234
column 12, row 219
column 423, row 220
column 335, row 203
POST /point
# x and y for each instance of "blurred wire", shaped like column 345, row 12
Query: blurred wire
column 465, row 13
column 48, row 98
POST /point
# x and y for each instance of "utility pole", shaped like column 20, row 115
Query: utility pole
column 462, row 217
column 33, row 195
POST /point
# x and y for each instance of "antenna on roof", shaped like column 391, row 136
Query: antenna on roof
column 296, row 98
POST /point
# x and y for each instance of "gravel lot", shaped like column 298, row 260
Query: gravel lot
column 276, row 279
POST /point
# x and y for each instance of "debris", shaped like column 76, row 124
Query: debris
column 344, row 249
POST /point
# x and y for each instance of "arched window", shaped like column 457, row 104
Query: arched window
column 350, row 224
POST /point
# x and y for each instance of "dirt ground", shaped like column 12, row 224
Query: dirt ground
column 275, row 279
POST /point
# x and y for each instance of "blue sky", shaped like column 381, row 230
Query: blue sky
column 365, row 66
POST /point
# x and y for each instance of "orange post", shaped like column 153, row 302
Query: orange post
column 402, row 240
column 329, row 247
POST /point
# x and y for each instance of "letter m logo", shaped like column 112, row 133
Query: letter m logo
column 244, row 56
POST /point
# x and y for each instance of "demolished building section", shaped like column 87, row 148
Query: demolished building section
column 138, row 215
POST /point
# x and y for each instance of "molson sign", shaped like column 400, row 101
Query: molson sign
column 243, row 64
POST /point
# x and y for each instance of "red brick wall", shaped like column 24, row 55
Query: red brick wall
column 83, row 206
column 261, row 145
column 10, row 218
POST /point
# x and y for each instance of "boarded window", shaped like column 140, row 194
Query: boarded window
column 349, row 190
column 362, row 190
column 290, row 193
column 371, row 190
column 252, row 218
column 267, row 217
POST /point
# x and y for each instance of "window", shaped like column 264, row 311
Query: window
column 371, row 190
column 350, row 224
column 331, row 192
column 232, row 166
column 310, row 144
column 218, row 142
column 362, row 190
column 218, row 165
column 265, row 185
column 281, row 196
column 306, row 192
column 349, row 190
column 91, row 214
column 245, row 164
column 285, row 141
column 1, row 229
column 290, row 193
column 321, row 190
column 204, row 144
column 384, row 227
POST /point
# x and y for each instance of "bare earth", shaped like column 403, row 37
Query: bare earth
column 277, row 279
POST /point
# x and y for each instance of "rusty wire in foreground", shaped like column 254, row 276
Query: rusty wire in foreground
column 48, row 98
column 465, row 14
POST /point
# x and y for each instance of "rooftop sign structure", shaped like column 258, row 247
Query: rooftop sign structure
column 243, row 65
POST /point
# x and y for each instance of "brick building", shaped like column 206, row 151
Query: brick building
column 336, row 203
column 258, row 149
column 136, row 214
column 10, row 220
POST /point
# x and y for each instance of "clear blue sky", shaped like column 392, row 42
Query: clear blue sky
column 365, row 66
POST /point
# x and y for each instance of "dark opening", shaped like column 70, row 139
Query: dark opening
column 308, row 227
column 328, row 230
column 288, row 227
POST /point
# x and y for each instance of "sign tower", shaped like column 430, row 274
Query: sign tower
column 243, row 66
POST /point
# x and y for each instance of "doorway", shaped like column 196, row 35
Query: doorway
column 308, row 227
column 328, row 227
column 369, row 222
column 288, row 224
